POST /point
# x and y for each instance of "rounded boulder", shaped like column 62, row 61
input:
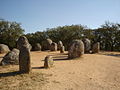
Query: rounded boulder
column 76, row 49
column 4, row 48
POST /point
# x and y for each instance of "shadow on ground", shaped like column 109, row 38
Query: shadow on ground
column 10, row 74
column 115, row 55
column 110, row 54
column 38, row 67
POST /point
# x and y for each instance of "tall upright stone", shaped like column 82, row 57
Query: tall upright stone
column 60, row 44
column 24, row 56
column 53, row 47
column 62, row 49
column 96, row 48
column 87, row 45
column 76, row 49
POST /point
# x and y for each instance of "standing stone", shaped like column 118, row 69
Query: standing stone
column 46, row 44
column 24, row 56
column 23, row 41
column 11, row 57
column 62, row 49
column 96, row 48
column 48, row 62
column 37, row 47
column 49, row 42
column 87, row 45
column 53, row 47
column 76, row 49
column 60, row 44
column 4, row 48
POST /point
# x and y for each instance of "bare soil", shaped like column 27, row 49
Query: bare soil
column 90, row 72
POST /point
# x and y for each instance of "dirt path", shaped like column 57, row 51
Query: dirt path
column 91, row 72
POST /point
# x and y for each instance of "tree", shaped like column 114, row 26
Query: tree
column 108, row 36
column 66, row 34
column 10, row 32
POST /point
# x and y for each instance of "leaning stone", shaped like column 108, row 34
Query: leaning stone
column 62, row 49
column 11, row 57
column 53, row 47
column 76, row 49
column 48, row 62
column 96, row 48
column 4, row 48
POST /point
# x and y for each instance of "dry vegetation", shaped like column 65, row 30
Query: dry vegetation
column 11, row 79
column 91, row 72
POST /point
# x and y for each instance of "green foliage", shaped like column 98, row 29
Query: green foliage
column 65, row 34
column 108, row 35
column 10, row 32
column 37, row 37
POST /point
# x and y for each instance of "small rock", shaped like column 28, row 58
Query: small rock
column 48, row 62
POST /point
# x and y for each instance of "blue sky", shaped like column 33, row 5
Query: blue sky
column 37, row 15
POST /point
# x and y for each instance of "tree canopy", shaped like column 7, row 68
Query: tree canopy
column 107, row 34
column 10, row 32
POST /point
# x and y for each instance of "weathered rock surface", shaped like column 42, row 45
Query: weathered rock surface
column 76, row 49
column 46, row 44
column 60, row 44
column 11, row 57
column 4, row 48
column 87, row 45
column 23, row 41
column 53, row 47
column 48, row 63
column 24, row 56
column 37, row 47
column 96, row 48
column 62, row 49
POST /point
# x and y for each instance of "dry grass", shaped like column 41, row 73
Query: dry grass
column 90, row 72
column 11, row 79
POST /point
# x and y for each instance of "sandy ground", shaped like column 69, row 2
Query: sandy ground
column 90, row 72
